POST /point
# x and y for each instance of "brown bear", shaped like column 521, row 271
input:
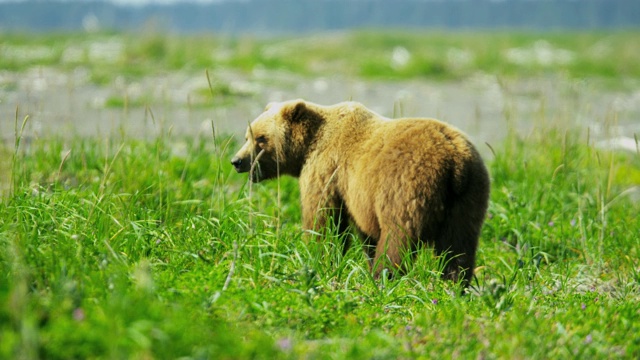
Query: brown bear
column 401, row 182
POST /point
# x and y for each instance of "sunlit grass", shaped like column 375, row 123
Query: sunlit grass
column 120, row 247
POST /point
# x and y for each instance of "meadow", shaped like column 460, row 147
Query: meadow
column 121, row 246
column 365, row 53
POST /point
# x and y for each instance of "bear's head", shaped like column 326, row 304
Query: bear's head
column 277, row 142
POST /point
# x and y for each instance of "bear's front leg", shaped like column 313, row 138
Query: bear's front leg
column 323, row 215
column 323, row 210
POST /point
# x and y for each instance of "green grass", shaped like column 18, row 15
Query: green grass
column 119, row 247
column 125, row 248
column 612, row 56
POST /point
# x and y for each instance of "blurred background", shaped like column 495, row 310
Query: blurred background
column 295, row 16
column 487, row 66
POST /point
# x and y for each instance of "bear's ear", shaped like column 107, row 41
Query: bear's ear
column 269, row 105
column 294, row 112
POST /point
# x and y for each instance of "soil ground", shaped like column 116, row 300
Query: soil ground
column 483, row 106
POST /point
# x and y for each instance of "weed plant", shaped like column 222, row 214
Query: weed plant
column 128, row 248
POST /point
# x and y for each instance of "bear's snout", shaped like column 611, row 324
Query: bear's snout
column 239, row 164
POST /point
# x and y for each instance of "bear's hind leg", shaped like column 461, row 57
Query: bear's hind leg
column 459, row 264
column 458, row 241
column 390, row 251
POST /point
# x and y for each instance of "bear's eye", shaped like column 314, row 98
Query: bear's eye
column 261, row 139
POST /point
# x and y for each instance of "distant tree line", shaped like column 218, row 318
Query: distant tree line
column 286, row 16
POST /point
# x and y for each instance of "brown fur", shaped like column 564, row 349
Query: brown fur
column 401, row 182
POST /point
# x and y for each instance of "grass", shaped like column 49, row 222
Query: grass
column 612, row 56
column 121, row 247
column 125, row 248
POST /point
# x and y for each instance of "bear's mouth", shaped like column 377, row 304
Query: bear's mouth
column 255, row 176
column 260, row 174
column 255, row 171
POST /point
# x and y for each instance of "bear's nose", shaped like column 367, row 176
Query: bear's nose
column 236, row 162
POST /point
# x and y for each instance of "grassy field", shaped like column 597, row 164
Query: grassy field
column 121, row 247
column 368, row 54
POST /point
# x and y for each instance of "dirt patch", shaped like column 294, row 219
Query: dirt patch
column 483, row 106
